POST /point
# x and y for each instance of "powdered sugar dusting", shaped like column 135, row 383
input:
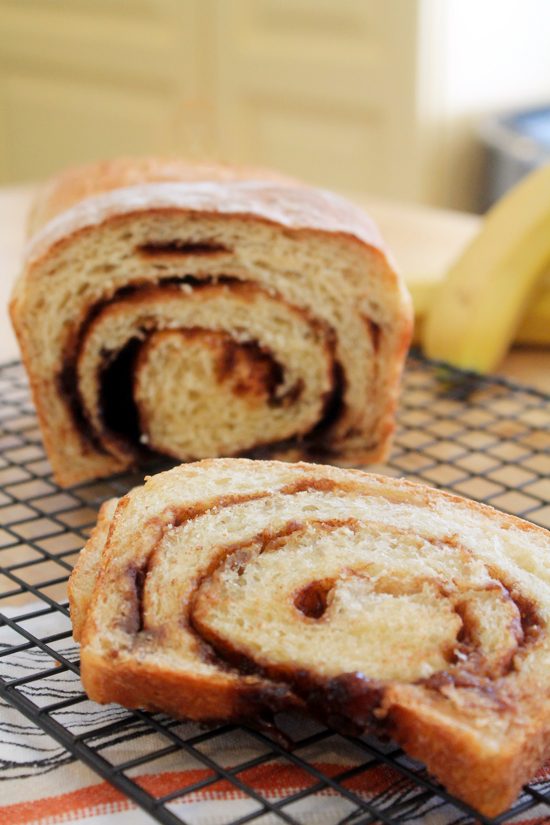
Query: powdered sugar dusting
column 294, row 208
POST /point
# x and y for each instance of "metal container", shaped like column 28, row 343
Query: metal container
column 515, row 143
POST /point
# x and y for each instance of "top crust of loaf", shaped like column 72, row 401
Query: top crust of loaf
column 293, row 208
column 79, row 182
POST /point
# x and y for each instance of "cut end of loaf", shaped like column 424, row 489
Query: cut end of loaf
column 207, row 314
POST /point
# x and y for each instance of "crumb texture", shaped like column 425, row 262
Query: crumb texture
column 231, row 589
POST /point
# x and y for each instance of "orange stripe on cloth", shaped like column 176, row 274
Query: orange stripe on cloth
column 542, row 774
column 272, row 780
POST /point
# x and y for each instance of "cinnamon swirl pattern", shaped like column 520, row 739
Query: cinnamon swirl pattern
column 207, row 318
column 231, row 589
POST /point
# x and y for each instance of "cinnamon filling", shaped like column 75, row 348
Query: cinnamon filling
column 312, row 599
column 178, row 248
column 350, row 700
column 118, row 408
column 253, row 369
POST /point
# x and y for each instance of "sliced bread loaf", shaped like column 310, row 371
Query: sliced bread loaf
column 231, row 589
column 206, row 310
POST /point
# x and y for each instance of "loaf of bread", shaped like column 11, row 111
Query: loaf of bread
column 202, row 310
column 231, row 589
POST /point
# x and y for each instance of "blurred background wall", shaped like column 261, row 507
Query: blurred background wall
column 375, row 97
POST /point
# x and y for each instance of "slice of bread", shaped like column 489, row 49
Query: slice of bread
column 231, row 589
column 206, row 310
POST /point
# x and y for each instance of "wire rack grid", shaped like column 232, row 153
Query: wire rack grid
column 483, row 438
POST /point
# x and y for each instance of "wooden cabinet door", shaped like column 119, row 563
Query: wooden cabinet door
column 324, row 89
column 81, row 80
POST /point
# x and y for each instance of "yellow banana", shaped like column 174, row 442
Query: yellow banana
column 533, row 330
column 480, row 305
column 535, row 326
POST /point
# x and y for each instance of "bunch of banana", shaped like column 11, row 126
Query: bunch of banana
column 534, row 328
column 499, row 289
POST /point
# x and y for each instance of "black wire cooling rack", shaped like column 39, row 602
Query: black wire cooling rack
column 483, row 438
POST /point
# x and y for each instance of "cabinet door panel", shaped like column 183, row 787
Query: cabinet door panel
column 322, row 88
column 320, row 144
column 51, row 123
column 89, row 42
column 81, row 80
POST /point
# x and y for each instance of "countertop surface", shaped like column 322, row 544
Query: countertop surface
column 424, row 241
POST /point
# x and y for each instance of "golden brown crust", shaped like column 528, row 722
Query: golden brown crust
column 82, row 581
column 229, row 589
column 184, row 695
column 77, row 183
column 494, row 785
